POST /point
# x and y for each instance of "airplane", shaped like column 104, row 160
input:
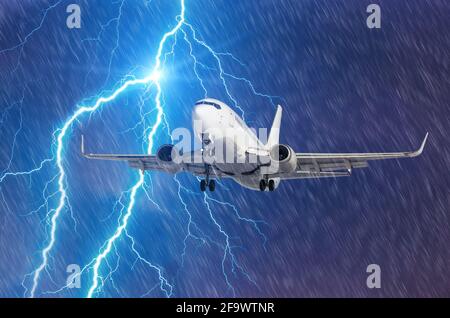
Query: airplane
column 255, row 165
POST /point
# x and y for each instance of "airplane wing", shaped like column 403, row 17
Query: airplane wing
column 151, row 162
column 321, row 165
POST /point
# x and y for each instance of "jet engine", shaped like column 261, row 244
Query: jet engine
column 283, row 159
column 168, row 154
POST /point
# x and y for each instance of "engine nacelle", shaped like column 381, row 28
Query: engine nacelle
column 167, row 154
column 283, row 159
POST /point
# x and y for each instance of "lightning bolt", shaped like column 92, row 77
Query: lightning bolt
column 193, row 230
column 11, row 156
column 61, row 135
column 98, row 38
column 140, row 182
column 219, row 65
column 228, row 248
column 164, row 284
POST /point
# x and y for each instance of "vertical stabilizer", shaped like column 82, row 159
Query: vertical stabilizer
column 274, row 136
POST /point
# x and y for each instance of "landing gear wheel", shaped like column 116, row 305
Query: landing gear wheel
column 271, row 185
column 212, row 185
column 203, row 185
column 262, row 185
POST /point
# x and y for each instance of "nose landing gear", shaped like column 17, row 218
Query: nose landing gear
column 210, row 183
column 263, row 184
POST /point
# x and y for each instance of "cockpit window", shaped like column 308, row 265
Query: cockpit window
column 202, row 102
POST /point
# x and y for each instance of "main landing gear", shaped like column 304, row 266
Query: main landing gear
column 211, row 185
column 263, row 184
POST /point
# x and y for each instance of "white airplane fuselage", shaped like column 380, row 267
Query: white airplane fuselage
column 225, row 140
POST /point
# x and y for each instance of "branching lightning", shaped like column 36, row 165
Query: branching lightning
column 60, row 136
column 22, row 43
column 159, row 117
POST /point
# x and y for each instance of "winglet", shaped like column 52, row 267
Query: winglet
column 82, row 145
column 419, row 151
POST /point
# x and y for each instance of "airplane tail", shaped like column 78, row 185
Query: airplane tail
column 274, row 136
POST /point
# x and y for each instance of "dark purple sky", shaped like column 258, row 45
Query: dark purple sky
column 343, row 87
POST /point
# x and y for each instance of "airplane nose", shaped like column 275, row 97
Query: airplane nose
column 202, row 119
column 199, row 112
